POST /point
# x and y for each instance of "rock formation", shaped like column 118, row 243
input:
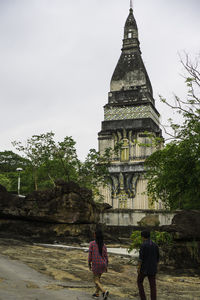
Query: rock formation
column 185, row 250
column 63, row 213
column 66, row 203
column 186, row 224
column 149, row 220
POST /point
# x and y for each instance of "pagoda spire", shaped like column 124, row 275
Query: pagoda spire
column 130, row 31
column 130, row 71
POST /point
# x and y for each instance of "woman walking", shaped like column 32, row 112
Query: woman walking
column 98, row 262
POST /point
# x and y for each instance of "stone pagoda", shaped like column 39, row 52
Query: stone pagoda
column 129, row 114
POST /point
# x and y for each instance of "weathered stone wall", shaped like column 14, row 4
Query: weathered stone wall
column 133, row 217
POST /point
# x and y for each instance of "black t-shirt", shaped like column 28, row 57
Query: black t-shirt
column 149, row 257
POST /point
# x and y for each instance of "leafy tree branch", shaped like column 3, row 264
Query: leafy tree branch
column 173, row 173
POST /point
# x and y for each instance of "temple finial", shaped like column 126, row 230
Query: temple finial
column 131, row 4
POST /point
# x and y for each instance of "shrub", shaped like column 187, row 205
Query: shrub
column 160, row 238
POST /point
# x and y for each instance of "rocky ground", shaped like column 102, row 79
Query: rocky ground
column 69, row 270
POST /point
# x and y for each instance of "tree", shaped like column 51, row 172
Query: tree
column 5, row 181
column 50, row 160
column 173, row 173
column 37, row 150
column 94, row 173
column 10, row 161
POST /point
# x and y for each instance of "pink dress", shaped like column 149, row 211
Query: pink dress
column 99, row 263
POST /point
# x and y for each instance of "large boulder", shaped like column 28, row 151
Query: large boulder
column 66, row 203
column 185, row 249
column 149, row 221
column 187, row 225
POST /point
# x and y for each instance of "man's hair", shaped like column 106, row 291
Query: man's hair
column 145, row 234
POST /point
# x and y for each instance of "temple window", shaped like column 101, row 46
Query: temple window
column 125, row 150
column 130, row 35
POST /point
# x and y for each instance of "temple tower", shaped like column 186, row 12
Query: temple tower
column 128, row 115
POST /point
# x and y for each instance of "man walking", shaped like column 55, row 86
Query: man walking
column 147, row 265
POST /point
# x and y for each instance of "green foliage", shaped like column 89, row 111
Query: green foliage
column 10, row 161
column 173, row 173
column 136, row 240
column 174, row 176
column 5, row 181
column 94, row 171
column 160, row 238
column 49, row 160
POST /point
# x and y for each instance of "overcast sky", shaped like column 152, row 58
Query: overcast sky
column 57, row 58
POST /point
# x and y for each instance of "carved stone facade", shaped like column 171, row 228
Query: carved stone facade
column 129, row 114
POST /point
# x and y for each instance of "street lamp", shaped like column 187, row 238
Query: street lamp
column 19, row 170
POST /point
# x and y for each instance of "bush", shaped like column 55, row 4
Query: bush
column 160, row 238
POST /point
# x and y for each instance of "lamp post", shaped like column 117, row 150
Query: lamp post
column 19, row 170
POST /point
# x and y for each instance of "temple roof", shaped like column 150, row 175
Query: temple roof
column 130, row 71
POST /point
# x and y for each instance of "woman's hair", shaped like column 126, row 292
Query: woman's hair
column 99, row 240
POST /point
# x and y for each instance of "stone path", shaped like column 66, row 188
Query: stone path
column 39, row 273
column 18, row 281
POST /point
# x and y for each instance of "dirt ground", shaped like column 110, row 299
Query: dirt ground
column 70, row 267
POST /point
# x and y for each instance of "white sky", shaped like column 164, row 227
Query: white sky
column 57, row 58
